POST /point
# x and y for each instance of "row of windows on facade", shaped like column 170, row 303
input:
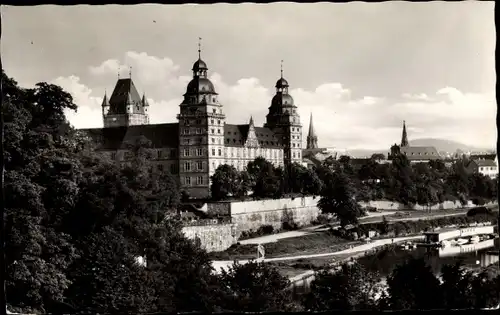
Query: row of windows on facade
column 236, row 152
column 485, row 168
column 420, row 153
column 198, row 131
column 228, row 141
column 193, row 99
column 172, row 153
column 173, row 168
column 202, row 152
column 199, row 180
column 190, row 166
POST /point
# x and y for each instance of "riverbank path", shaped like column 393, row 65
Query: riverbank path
column 373, row 217
column 225, row 264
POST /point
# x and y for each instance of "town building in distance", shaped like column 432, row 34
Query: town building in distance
column 193, row 147
column 413, row 153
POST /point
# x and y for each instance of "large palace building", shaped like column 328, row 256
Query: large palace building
column 201, row 139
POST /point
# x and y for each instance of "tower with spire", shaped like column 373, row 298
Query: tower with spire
column 284, row 120
column 404, row 137
column 312, row 139
column 125, row 106
column 201, row 131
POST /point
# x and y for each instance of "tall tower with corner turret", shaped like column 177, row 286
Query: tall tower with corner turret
column 284, row 120
column 201, row 132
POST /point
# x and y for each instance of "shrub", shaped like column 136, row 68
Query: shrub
column 371, row 209
column 322, row 219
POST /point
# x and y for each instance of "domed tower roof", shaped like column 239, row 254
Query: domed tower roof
column 199, row 65
column 280, row 100
column 200, row 85
column 281, row 83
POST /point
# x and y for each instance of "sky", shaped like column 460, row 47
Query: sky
column 359, row 68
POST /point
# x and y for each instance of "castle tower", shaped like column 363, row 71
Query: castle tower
column 312, row 139
column 283, row 118
column 201, row 132
column 125, row 107
column 404, row 137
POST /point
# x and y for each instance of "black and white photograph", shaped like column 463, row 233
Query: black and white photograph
column 233, row 158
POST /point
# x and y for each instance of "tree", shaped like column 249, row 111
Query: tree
column 41, row 185
column 413, row 285
column 255, row 287
column 404, row 183
column 311, row 183
column 456, row 287
column 126, row 205
column 75, row 222
column 337, row 198
column 350, row 288
column 226, row 181
column 377, row 157
column 304, row 181
column 265, row 179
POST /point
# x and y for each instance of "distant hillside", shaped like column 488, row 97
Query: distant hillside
column 443, row 145
column 361, row 153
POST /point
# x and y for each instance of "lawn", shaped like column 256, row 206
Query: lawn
column 314, row 243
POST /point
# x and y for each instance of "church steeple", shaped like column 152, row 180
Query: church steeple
column 404, row 138
column 312, row 139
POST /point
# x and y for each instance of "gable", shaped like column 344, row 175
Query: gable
column 237, row 135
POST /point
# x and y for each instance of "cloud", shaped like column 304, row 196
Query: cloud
column 89, row 112
column 340, row 120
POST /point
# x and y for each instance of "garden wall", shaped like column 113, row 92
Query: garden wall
column 213, row 237
column 250, row 215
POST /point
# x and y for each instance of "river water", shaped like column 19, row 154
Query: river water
column 472, row 256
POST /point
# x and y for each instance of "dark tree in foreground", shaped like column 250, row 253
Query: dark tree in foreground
column 256, row 287
column 41, row 186
column 413, row 286
column 457, row 287
column 350, row 288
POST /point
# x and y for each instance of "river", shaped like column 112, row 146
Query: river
column 472, row 256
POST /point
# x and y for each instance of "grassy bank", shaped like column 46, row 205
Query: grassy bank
column 314, row 243
column 336, row 240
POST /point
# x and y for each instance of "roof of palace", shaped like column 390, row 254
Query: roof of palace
column 236, row 135
column 114, row 138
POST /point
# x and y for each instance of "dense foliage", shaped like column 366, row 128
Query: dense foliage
column 410, row 286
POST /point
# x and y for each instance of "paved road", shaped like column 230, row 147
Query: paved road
column 224, row 264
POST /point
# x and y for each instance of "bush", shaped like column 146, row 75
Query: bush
column 371, row 209
column 478, row 211
column 478, row 201
column 261, row 231
column 322, row 219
